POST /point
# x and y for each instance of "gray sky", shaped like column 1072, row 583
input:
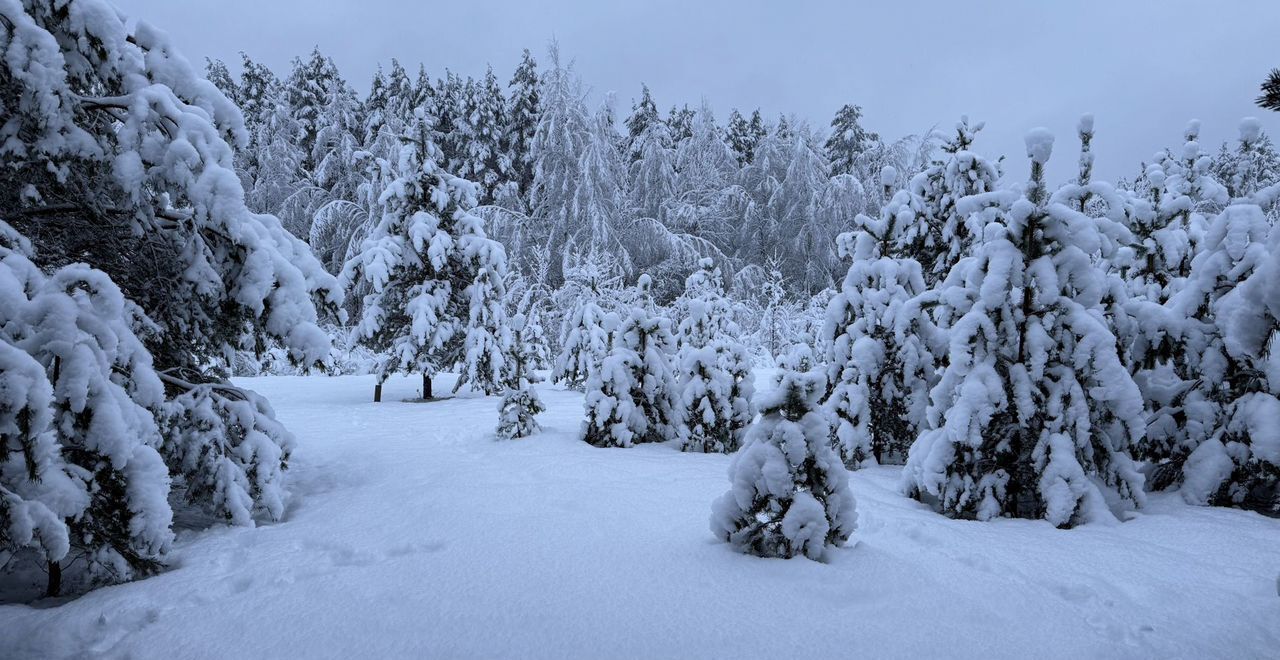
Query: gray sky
column 1142, row 68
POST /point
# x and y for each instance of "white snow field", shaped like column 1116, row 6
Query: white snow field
column 414, row 534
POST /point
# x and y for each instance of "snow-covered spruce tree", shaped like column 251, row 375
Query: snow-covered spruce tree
column 703, row 313
column 875, row 347
column 612, row 415
column 706, row 403
column 520, row 403
column 848, row 140
column 488, row 338
column 716, row 390
column 140, row 183
column 632, row 397
column 790, row 493
column 1034, row 411
column 523, row 116
column 1251, row 166
column 941, row 231
column 644, row 117
column 436, row 280
column 584, row 341
column 1226, row 443
column 722, row 387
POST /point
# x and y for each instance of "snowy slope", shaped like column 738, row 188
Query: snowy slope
column 414, row 534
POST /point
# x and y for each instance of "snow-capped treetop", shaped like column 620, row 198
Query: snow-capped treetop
column 1250, row 130
column 1085, row 125
column 1039, row 145
column 888, row 176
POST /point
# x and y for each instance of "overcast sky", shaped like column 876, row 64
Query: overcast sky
column 1143, row 68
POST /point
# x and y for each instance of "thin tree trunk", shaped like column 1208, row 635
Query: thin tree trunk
column 426, row 386
column 54, row 587
column 377, row 393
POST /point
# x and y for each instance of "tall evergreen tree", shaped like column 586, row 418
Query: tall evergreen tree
column 742, row 136
column 876, row 344
column 523, row 117
column 848, row 139
column 644, row 116
column 433, row 274
column 305, row 91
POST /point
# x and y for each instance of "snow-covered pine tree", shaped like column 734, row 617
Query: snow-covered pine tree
column 680, row 124
column 644, row 117
column 875, row 345
column 848, row 139
column 520, row 403
column 722, row 387
column 215, row 71
column 790, row 493
column 38, row 491
column 76, row 325
column 706, row 403
column 1251, row 166
column 584, row 341
column 742, row 136
column 448, row 127
column 941, row 230
column 1226, row 443
column 141, row 184
column 1168, row 227
column 523, row 117
column 1034, row 412
column 435, row 278
column 703, row 313
column 256, row 93
column 632, row 396
column 305, row 91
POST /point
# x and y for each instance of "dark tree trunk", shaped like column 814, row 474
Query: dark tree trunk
column 377, row 393
column 426, row 386
column 54, row 587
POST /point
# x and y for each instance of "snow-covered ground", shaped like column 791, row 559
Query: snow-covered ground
column 413, row 533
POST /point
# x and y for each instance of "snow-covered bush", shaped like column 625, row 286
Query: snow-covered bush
column 790, row 493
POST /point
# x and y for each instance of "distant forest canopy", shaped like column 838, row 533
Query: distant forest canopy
column 562, row 184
